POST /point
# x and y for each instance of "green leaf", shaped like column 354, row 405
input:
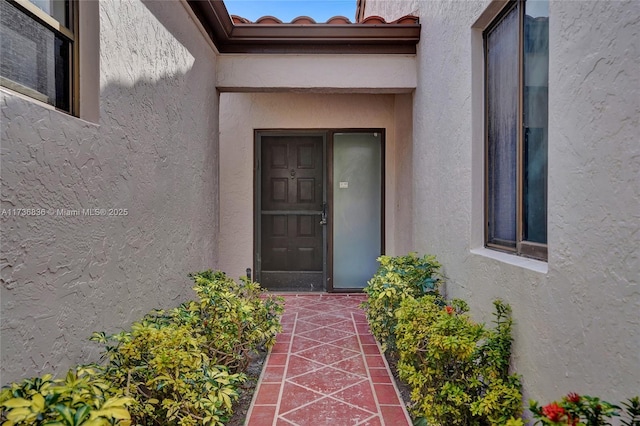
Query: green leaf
column 18, row 414
column 112, row 413
column 37, row 403
column 66, row 414
column 117, row 402
column 17, row 402
column 81, row 414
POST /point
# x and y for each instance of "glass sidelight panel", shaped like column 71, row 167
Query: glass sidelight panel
column 536, row 121
column 357, row 208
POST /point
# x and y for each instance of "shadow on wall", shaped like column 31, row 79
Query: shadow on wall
column 147, row 179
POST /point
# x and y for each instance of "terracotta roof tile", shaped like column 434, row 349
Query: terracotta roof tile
column 373, row 20
column 268, row 20
column 303, row 20
column 268, row 35
column 407, row 19
column 336, row 20
column 239, row 20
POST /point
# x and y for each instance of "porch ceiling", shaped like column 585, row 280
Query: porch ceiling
column 373, row 36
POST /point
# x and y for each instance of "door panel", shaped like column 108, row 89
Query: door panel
column 291, row 242
column 357, row 208
column 292, row 175
column 292, row 196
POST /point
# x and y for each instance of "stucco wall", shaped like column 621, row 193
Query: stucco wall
column 577, row 323
column 392, row 10
column 344, row 73
column 152, row 151
column 241, row 113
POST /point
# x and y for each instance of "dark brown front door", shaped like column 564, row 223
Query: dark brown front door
column 291, row 241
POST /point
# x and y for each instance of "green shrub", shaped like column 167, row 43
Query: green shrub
column 632, row 411
column 457, row 369
column 236, row 319
column 84, row 397
column 183, row 366
column 397, row 278
column 164, row 369
column 180, row 367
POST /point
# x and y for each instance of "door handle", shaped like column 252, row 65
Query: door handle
column 323, row 218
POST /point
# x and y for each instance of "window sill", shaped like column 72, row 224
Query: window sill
column 37, row 100
column 511, row 259
column 39, row 103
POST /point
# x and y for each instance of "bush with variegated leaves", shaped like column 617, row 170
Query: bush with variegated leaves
column 182, row 367
column 396, row 279
column 458, row 369
column 169, row 376
column 84, row 397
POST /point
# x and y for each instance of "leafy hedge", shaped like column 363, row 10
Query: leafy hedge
column 179, row 367
column 234, row 318
column 457, row 369
column 83, row 397
column 398, row 278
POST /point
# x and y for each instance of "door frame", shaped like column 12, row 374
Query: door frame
column 327, row 185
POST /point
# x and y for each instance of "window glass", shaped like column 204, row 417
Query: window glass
column 517, row 98
column 502, row 123
column 536, row 95
column 58, row 9
column 34, row 59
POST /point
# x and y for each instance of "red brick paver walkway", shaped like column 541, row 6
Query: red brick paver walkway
column 326, row 369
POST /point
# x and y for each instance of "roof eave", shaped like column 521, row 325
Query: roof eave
column 301, row 38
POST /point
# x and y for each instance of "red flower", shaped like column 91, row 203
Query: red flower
column 573, row 397
column 449, row 310
column 553, row 411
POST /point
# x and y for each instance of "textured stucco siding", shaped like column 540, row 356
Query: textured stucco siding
column 242, row 113
column 312, row 72
column 577, row 321
column 153, row 151
column 392, row 10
